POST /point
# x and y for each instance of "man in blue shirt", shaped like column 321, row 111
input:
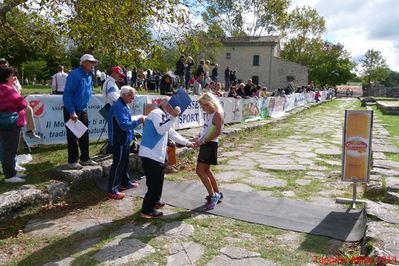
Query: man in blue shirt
column 121, row 127
column 77, row 94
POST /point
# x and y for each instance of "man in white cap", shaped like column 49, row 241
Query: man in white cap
column 77, row 94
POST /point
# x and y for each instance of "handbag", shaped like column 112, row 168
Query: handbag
column 8, row 120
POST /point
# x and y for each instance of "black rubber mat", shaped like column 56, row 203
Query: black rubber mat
column 346, row 225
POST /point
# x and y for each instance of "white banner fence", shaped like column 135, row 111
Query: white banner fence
column 49, row 119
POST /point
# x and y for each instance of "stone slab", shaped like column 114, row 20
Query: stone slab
column 229, row 176
column 238, row 253
column 325, row 151
column 386, row 237
column 122, row 251
column 177, row 229
column 386, row 164
column 291, row 167
column 306, row 154
column 303, row 182
column 379, row 155
column 246, row 162
column 392, row 183
column 265, row 182
column 230, row 154
column 184, row 254
column 385, row 148
column 133, row 229
column 383, row 211
column 384, row 172
column 289, row 194
column 277, row 160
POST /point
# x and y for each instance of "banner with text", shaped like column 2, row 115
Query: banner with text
column 49, row 119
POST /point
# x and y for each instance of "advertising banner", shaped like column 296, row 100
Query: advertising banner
column 250, row 109
column 263, row 104
column 49, row 119
column 357, row 146
column 309, row 97
column 299, row 99
column 289, row 102
column 232, row 109
column 278, row 107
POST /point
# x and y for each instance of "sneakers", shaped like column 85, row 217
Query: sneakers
column 159, row 205
column 19, row 168
column 130, row 185
column 89, row 162
column 154, row 214
column 208, row 198
column 75, row 166
column 116, row 196
column 32, row 135
column 213, row 201
column 14, row 179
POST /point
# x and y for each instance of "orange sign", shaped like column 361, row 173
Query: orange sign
column 357, row 146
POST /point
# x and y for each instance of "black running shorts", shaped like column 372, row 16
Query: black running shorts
column 208, row 153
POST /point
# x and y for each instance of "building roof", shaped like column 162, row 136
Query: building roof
column 251, row 40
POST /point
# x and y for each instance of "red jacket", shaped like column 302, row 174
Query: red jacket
column 12, row 101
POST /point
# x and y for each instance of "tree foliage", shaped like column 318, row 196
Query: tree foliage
column 28, row 36
column 332, row 65
column 392, row 80
column 374, row 66
column 119, row 29
column 248, row 17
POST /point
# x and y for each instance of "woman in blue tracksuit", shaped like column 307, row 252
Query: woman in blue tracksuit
column 122, row 134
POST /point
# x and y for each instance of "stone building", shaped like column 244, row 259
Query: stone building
column 258, row 58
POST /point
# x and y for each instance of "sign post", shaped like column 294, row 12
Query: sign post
column 356, row 150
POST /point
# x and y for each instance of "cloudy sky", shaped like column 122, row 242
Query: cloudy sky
column 361, row 25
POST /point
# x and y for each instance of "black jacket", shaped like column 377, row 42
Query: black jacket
column 180, row 67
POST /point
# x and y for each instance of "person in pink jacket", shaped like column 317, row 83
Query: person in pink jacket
column 11, row 101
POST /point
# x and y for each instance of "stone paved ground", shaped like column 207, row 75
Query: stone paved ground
column 296, row 158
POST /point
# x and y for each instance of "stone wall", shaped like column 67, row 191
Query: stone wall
column 378, row 90
column 282, row 69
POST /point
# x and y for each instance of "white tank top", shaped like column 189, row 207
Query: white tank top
column 209, row 128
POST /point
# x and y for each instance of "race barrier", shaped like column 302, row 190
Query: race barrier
column 50, row 126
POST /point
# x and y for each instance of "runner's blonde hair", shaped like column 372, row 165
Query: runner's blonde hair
column 209, row 98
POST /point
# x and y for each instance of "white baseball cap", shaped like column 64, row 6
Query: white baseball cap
column 88, row 57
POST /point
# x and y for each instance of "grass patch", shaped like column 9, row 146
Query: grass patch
column 390, row 123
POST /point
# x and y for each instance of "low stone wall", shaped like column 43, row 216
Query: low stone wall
column 388, row 107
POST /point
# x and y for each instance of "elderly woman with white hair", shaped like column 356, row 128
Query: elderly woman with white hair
column 121, row 126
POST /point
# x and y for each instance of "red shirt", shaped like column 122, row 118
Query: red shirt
column 12, row 101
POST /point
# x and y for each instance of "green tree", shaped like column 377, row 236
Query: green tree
column 119, row 29
column 266, row 16
column 36, row 69
column 27, row 37
column 392, row 80
column 303, row 36
column 374, row 66
column 332, row 65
